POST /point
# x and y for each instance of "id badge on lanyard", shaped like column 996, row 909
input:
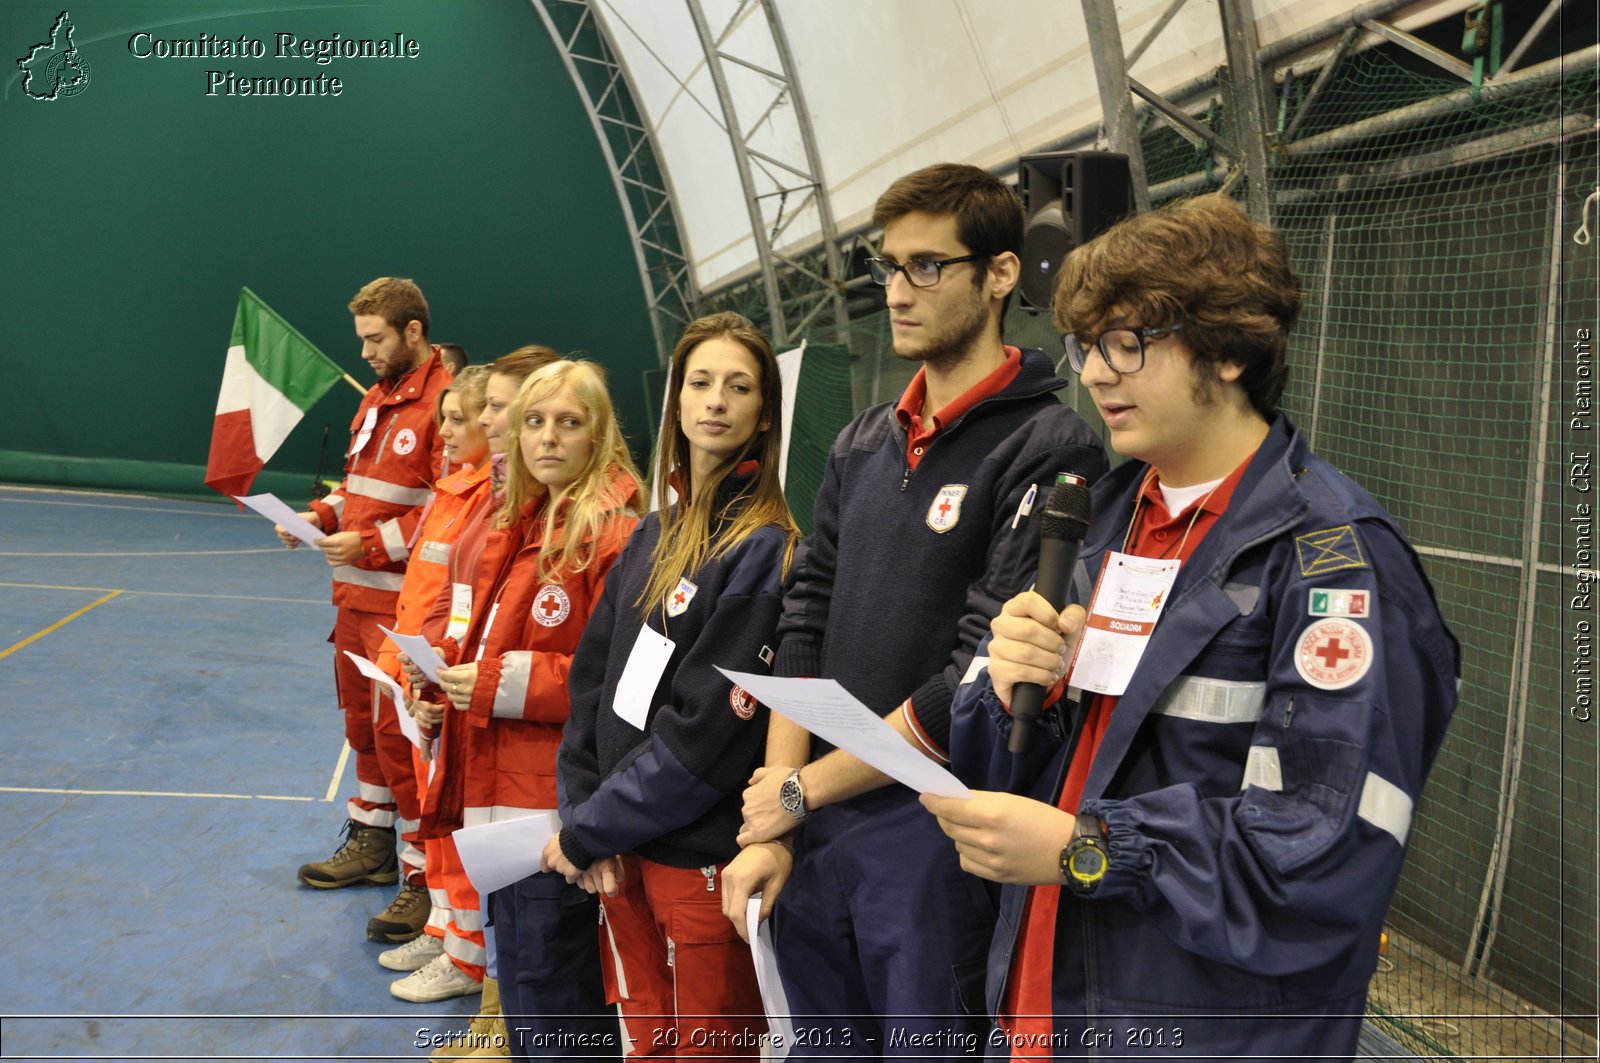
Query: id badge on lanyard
column 460, row 610
column 364, row 433
column 1128, row 600
column 636, row 690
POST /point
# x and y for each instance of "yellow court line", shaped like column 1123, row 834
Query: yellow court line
column 144, row 793
column 58, row 624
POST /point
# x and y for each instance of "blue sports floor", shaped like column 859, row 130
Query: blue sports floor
column 171, row 754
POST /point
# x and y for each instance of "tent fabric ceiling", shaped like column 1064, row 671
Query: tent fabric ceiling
column 890, row 85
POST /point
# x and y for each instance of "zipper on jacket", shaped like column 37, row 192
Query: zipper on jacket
column 1091, row 990
column 710, row 872
column 672, row 953
column 906, row 479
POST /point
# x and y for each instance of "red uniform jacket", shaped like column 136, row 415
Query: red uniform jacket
column 386, row 483
column 428, row 571
column 500, row 754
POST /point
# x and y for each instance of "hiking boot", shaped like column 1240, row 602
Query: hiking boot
column 367, row 855
column 485, row 1037
column 405, row 917
column 441, row 979
column 413, row 954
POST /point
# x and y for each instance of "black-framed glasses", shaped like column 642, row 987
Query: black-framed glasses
column 921, row 272
column 1122, row 348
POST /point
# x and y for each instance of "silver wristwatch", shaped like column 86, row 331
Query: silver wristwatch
column 792, row 796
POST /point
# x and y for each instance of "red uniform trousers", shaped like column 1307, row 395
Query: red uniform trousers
column 457, row 916
column 386, row 781
column 674, row 962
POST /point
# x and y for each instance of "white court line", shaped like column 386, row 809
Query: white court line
column 146, row 793
column 338, row 773
column 167, row 594
column 210, row 510
column 142, row 553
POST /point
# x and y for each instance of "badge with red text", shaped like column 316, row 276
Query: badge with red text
column 744, row 705
column 405, row 442
column 945, row 512
column 551, row 606
column 1333, row 654
column 1128, row 599
column 679, row 600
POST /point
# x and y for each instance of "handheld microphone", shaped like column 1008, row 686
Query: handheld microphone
column 1061, row 531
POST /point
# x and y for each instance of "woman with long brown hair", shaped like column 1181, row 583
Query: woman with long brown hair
column 659, row 743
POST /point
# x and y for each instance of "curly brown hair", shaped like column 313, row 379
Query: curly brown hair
column 397, row 300
column 1200, row 261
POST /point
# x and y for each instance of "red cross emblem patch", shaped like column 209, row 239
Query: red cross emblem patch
column 679, row 599
column 945, row 511
column 744, row 706
column 551, row 606
column 1333, row 654
column 405, row 442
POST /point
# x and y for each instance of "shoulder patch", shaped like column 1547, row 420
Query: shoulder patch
column 551, row 606
column 1333, row 654
column 1329, row 550
column 945, row 512
column 1332, row 601
column 679, row 600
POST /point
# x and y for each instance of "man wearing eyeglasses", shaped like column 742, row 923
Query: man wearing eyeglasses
column 924, row 525
column 1213, row 838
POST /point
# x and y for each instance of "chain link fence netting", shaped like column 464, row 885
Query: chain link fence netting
column 1439, row 361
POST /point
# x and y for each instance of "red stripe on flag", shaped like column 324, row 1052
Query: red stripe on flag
column 233, row 464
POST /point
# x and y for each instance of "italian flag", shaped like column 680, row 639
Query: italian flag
column 272, row 377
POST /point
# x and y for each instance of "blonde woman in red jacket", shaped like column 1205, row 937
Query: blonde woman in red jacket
column 572, row 496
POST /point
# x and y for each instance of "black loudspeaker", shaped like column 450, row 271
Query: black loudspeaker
column 1070, row 197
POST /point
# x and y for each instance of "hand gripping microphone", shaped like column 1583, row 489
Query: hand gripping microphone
column 1061, row 530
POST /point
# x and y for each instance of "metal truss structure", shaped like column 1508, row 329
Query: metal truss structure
column 644, row 189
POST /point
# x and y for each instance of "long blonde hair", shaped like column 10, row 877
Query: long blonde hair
column 573, row 523
column 691, row 533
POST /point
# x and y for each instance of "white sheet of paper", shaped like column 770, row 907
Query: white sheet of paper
column 271, row 507
column 408, row 726
column 828, row 711
column 419, row 650
column 773, row 999
column 1127, row 601
column 497, row 854
column 640, row 677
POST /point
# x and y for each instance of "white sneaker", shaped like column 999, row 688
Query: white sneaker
column 441, row 979
column 418, row 952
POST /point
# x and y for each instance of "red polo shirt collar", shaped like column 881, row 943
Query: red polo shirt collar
column 909, row 410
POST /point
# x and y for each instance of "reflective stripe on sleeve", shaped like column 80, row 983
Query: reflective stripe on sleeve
column 511, row 692
column 1386, row 806
column 335, row 502
column 394, row 544
column 1261, row 768
column 384, row 491
column 360, row 577
column 1193, row 697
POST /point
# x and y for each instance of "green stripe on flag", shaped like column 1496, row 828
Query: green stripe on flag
column 280, row 355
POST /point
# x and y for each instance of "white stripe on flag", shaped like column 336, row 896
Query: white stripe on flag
column 272, row 415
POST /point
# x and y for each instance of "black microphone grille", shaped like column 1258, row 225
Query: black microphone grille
column 1066, row 511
